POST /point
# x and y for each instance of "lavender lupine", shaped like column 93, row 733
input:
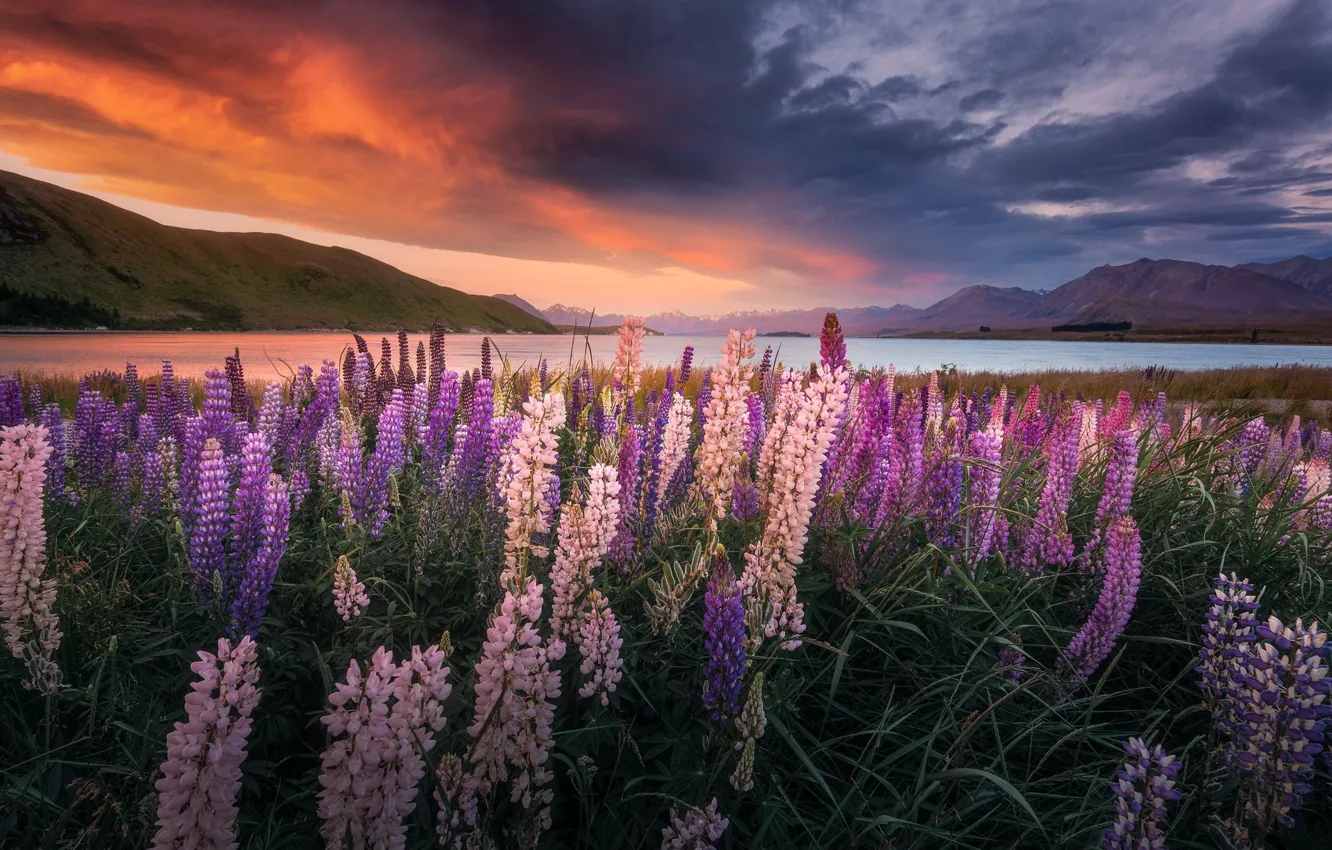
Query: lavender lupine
column 201, row 777
column 1282, row 700
column 387, row 459
column 247, row 507
column 133, row 389
column 1122, row 559
column 27, row 601
column 698, row 829
column 1046, row 541
column 943, row 488
column 11, row 401
column 630, row 470
column 686, row 364
column 724, row 640
column 54, row 423
column 1143, row 788
column 472, row 455
column 439, row 431
column 207, row 557
column 251, row 599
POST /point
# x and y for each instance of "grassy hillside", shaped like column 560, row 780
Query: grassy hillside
column 55, row 242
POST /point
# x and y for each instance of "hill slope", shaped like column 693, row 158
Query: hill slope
column 66, row 245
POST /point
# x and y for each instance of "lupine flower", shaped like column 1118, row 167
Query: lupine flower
column 207, row 557
column 1123, row 567
column 1012, row 660
column 629, row 354
column 27, row 601
column 201, row 777
column 832, row 343
column 54, row 423
column 11, row 401
column 686, row 364
column 1121, row 471
column 455, row 801
column 724, row 639
column 630, row 469
column 1281, row 698
column 515, row 686
column 473, row 453
column 353, row 764
column 240, row 403
column 674, row 442
column 725, row 420
column 247, row 507
column 1142, row 788
column 1227, row 635
column 599, row 644
column 528, row 470
column 388, row 457
column 698, row 829
column 349, row 597
column 768, row 582
column 1046, row 541
column 745, row 500
column 986, row 476
column 256, row 582
column 585, row 536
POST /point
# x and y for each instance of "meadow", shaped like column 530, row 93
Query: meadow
column 382, row 604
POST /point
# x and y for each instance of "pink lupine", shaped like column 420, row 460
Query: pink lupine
column 201, row 777
column 629, row 354
column 726, row 422
column 455, row 801
column 515, row 686
column 586, row 532
column 599, row 643
column 768, row 583
column 349, row 597
column 27, row 601
column 528, row 470
column 674, row 442
column 352, row 764
column 699, row 829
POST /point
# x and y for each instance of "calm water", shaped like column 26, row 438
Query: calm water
column 268, row 355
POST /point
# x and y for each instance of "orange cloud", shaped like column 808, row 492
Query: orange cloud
column 323, row 132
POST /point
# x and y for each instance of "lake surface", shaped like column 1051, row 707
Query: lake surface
column 269, row 355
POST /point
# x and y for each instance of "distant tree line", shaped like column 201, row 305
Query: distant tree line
column 1094, row 326
column 25, row 309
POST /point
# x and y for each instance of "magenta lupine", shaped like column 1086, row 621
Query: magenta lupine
column 724, row 640
column 1143, row 788
column 207, row 556
column 349, row 597
column 1121, row 470
column 256, row 582
column 585, row 535
column 1114, row 607
column 1046, row 540
column 599, row 645
column 1281, row 698
column 832, row 343
column 201, row 777
column 698, row 829
column 27, row 601
column 943, row 488
column 515, row 686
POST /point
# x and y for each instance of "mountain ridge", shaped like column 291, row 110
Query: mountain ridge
column 67, row 246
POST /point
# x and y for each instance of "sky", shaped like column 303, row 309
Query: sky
column 700, row 155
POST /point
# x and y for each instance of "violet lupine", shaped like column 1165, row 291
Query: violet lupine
column 247, row 506
column 1143, row 787
column 585, row 535
column 207, row 556
column 686, row 364
column 1114, row 607
column 724, row 639
column 154, row 485
column 1228, row 634
column 272, row 410
column 630, row 468
column 1121, row 470
column 54, row 423
column 745, row 500
column 473, row 454
column 515, row 686
column 529, row 466
column 201, row 777
column 27, row 601
column 599, row 644
column 770, row 564
column 1281, row 699
column 438, row 431
column 11, row 401
column 943, row 489
column 437, row 359
column 387, row 459
column 1012, row 660
column 726, row 419
column 241, row 405
column 256, row 582
column 629, row 354
column 349, row 597
column 698, row 829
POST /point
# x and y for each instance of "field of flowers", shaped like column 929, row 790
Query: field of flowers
column 387, row 605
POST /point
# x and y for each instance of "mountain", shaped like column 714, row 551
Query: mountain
column 1305, row 272
column 558, row 314
column 521, row 305
column 63, row 247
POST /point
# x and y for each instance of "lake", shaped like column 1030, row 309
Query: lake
column 268, row 355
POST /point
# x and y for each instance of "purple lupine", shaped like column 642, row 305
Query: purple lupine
column 54, row 422
column 302, row 386
column 1143, row 787
column 322, row 406
column 1228, row 634
column 911, row 439
column 207, row 557
column 1046, row 541
column 1121, row 470
column 247, row 506
column 154, row 484
column 365, row 391
column 388, row 457
column 686, row 364
column 96, row 432
column 986, row 476
column 439, row 428
column 256, row 581
column 888, row 479
column 1119, row 593
column 272, row 412
column 388, row 379
column 631, row 466
column 1281, row 698
column 405, row 376
column 436, row 360
column 652, row 483
column 757, row 427
column 745, row 500
column 724, row 639
column 216, row 414
column 943, row 490
column 119, row 481
column 1012, row 660
column 421, row 369
column 347, row 469
column 472, row 458
column 485, row 359
column 704, row 396
column 832, row 343
column 350, row 366
column 11, row 401
column 242, row 406
column 466, row 389
column 133, row 389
